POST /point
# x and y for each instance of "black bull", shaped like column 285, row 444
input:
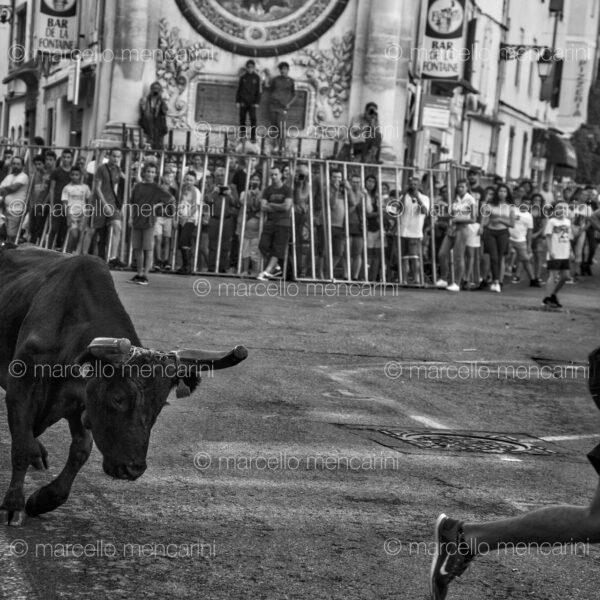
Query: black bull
column 68, row 349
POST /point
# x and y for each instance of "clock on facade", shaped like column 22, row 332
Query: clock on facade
column 261, row 27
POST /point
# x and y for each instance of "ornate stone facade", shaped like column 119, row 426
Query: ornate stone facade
column 330, row 73
column 177, row 63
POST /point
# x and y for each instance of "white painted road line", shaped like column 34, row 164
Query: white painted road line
column 428, row 422
column 568, row 438
column 14, row 584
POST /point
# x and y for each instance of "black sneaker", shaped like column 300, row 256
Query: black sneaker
column 554, row 299
column 549, row 303
column 143, row 280
column 116, row 264
column 135, row 279
column 452, row 556
column 535, row 283
column 484, row 285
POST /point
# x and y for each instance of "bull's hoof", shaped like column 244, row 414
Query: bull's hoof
column 13, row 518
column 18, row 518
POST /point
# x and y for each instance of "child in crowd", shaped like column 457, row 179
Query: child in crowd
column 539, row 211
column 472, row 268
column 144, row 198
column 558, row 240
column 188, row 213
column 251, row 204
column 75, row 197
column 163, row 227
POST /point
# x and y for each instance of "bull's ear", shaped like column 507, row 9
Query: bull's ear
column 186, row 381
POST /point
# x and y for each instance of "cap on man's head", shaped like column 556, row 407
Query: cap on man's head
column 371, row 105
column 250, row 63
column 283, row 65
column 473, row 171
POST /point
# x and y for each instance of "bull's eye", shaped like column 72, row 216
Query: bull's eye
column 118, row 402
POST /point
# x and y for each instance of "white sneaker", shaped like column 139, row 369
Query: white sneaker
column 441, row 284
column 453, row 287
column 263, row 276
column 495, row 287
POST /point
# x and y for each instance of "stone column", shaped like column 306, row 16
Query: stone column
column 125, row 78
column 383, row 60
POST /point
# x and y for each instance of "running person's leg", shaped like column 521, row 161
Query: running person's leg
column 457, row 543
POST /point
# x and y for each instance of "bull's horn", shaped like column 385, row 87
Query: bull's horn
column 112, row 349
column 214, row 360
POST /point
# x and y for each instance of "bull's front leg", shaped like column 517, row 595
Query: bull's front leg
column 56, row 492
column 25, row 450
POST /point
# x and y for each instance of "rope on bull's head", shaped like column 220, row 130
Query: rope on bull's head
column 182, row 390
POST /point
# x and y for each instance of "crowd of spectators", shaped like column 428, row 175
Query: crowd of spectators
column 262, row 219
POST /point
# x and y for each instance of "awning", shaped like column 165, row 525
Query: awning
column 29, row 72
column 450, row 84
column 560, row 152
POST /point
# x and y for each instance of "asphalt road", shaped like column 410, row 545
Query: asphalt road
column 276, row 479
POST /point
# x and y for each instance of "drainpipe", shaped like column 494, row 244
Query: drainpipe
column 495, row 141
column 100, row 36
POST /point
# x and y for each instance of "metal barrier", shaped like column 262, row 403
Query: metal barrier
column 343, row 228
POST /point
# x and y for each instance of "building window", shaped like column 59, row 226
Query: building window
column 524, row 153
column 519, row 60
column 532, row 72
column 486, row 50
column 50, row 126
column 21, row 33
column 214, row 101
column 511, row 145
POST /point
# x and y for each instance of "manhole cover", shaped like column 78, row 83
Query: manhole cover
column 465, row 442
column 435, row 440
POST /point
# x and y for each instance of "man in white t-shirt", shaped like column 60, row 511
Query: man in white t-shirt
column 520, row 239
column 13, row 197
column 558, row 238
column 414, row 208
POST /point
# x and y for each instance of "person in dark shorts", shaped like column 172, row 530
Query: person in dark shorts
column 59, row 178
column 283, row 94
column 334, row 221
column 457, row 543
column 558, row 240
column 144, row 199
column 276, row 204
column 107, row 213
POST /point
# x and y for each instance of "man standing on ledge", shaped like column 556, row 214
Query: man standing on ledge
column 457, row 543
column 247, row 100
column 283, row 93
column 153, row 117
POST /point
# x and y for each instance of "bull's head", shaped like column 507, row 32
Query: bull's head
column 126, row 389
